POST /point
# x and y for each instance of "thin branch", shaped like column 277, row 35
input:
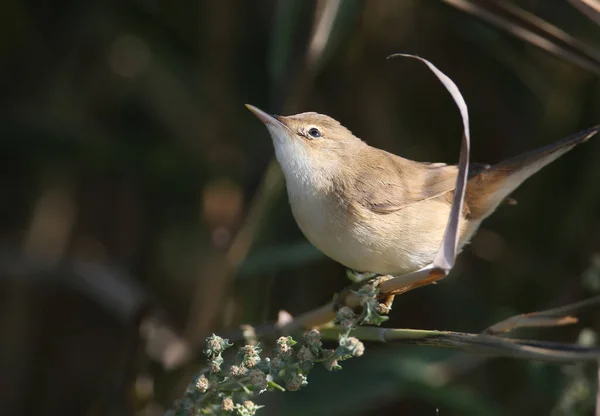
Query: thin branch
column 460, row 364
column 550, row 317
column 475, row 343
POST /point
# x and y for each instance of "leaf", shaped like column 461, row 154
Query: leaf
column 533, row 30
column 590, row 8
column 446, row 255
column 334, row 20
column 286, row 23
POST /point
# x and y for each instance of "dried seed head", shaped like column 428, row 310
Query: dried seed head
column 227, row 405
column 202, row 384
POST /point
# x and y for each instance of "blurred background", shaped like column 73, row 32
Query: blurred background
column 140, row 210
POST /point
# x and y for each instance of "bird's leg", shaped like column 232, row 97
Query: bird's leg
column 361, row 279
column 433, row 277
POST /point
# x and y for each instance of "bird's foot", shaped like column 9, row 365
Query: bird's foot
column 358, row 277
column 360, row 280
column 386, row 306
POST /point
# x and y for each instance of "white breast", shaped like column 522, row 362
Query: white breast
column 394, row 244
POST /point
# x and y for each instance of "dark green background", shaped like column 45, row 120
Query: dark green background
column 125, row 144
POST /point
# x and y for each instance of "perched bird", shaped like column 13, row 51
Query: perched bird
column 375, row 212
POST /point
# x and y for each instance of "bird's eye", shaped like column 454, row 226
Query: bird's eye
column 314, row 132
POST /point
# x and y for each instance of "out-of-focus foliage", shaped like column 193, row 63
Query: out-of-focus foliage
column 128, row 166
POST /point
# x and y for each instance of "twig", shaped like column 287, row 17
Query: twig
column 550, row 317
column 476, row 343
column 485, row 343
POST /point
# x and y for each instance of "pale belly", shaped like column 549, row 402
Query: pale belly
column 395, row 243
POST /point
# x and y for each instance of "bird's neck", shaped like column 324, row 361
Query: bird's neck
column 302, row 173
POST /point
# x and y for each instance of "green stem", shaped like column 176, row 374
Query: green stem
column 276, row 386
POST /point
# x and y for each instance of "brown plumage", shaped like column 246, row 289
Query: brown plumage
column 486, row 190
column 377, row 212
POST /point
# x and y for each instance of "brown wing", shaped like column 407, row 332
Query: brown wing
column 396, row 183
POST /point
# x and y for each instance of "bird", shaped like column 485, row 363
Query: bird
column 375, row 212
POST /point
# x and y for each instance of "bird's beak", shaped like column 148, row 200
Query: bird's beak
column 265, row 117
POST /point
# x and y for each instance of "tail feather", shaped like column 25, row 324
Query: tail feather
column 490, row 187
